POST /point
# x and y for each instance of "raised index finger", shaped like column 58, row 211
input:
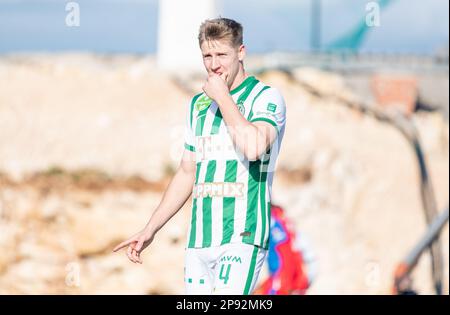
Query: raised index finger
column 122, row 245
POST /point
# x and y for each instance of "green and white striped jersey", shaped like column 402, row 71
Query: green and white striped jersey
column 231, row 195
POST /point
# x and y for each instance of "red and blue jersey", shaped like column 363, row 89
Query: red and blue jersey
column 287, row 274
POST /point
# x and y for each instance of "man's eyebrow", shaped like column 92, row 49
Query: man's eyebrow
column 217, row 53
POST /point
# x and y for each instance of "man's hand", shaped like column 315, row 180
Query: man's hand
column 216, row 87
column 136, row 244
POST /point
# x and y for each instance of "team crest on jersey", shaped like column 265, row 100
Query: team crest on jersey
column 241, row 108
column 202, row 103
column 271, row 107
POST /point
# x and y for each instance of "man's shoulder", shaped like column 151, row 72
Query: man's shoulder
column 200, row 102
column 268, row 92
column 264, row 88
column 196, row 97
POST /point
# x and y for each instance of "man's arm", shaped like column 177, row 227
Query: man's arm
column 252, row 139
column 176, row 194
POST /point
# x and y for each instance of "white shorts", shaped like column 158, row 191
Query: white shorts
column 227, row 269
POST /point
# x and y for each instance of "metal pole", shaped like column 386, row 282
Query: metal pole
column 316, row 8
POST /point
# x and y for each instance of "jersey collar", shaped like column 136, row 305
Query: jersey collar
column 244, row 84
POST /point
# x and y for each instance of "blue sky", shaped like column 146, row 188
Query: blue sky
column 407, row 26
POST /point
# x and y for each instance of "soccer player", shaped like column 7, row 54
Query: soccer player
column 234, row 130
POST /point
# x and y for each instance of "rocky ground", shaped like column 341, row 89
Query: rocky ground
column 88, row 143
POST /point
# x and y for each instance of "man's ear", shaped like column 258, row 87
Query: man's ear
column 241, row 52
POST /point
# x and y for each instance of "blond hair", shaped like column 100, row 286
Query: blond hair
column 221, row 28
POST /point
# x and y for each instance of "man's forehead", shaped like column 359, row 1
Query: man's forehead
column 216, row 44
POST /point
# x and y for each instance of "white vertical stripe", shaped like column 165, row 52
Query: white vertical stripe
column 210, row 115
column 248, row 103
column 199, row 226
column 217, row 206
column 267, row 199
column 240, row 210
column 236, row 95
column 190, row 225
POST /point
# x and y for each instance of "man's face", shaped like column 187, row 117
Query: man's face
column 221, row 58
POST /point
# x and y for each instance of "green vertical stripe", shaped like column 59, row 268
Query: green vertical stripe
column 207, row 203
column 194, row 213
column 251, row 271
column 252, row 201
column 262, row 195
column 262, row 202
column 241, row 99
column 194, row 99
column 229, row 203
column 244, row 84
column 250, row 115
column 200, row 124
column 216, row 123
column 269, row 216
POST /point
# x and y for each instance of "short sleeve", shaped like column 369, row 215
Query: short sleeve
column 189, row 139
column 270, row 107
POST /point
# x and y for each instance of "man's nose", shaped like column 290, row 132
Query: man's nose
column 215, row 63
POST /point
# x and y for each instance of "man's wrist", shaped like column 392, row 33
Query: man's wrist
column 150, row 229
column 223, row 100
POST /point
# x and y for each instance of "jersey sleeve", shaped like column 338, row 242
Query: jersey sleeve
column 269, row 107
column 189, row 139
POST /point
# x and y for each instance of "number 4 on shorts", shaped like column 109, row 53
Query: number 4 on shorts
column 227, row 274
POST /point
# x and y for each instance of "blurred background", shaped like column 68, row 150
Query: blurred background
column 93, row 95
